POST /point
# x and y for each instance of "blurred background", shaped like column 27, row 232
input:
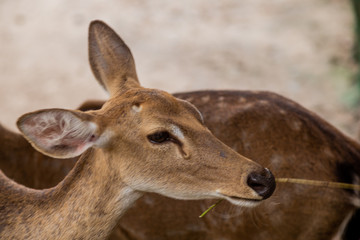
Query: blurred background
column 302, row 49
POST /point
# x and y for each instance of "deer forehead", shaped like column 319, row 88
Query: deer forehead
column 165, row 106
column 173, row 108
column 145, row 107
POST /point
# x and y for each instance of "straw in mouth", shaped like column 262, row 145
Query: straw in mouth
column 303, row 182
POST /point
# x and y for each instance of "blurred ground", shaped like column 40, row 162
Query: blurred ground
column 298, row 48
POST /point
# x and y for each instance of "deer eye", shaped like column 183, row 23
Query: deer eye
column 159, row 137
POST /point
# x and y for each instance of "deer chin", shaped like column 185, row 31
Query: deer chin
column 240, row 201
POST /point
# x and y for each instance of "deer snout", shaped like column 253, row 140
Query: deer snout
column 263, row 183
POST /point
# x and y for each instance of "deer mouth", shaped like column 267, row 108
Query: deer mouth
column 239, row 201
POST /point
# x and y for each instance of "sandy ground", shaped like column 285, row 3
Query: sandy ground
column 298, row 48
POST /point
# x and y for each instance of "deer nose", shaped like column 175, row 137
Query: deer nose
column 263, row 183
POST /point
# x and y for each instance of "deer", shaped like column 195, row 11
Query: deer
column 141, row 140
column 272, row 130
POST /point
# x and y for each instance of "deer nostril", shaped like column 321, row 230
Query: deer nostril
column 262, row 183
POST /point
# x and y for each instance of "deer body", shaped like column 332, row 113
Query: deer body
column 141, row 140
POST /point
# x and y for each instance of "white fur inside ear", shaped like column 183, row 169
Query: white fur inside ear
column 59, row 133
column 57, row 127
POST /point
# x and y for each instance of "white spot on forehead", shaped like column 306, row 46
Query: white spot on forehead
column 136, row 108
column 177, row 132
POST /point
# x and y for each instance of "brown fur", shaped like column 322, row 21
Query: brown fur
column 121, row 162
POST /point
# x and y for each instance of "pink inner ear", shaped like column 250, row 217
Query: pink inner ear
column 78, row 142
column 50, row 131
column 59, row 131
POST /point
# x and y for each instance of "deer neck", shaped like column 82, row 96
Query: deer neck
column 86, row 204
column 94, row 194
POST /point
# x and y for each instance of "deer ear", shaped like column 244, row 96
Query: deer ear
column 110, row 59
column 59, row 133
